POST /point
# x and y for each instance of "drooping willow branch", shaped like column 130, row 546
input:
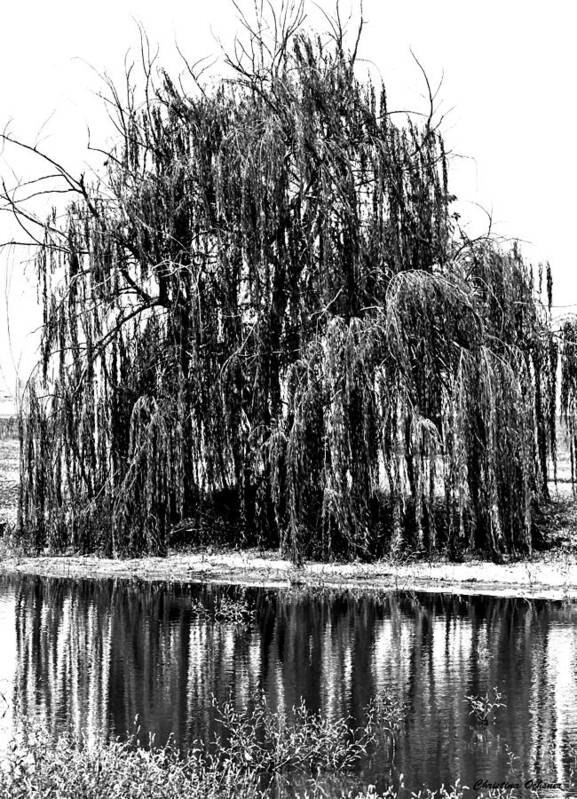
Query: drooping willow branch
column 265, row 306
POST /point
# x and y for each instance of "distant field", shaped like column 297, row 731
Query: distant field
column 8, row 427
column 7, row 406
column 8, row 418
column 9, row 452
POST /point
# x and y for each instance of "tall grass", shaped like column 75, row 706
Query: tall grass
column 265, row 754
column 261, row 753
column 266, row 306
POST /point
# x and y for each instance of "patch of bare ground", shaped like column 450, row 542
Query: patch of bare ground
column 550, row 573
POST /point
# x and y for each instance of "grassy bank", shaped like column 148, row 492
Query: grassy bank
column 260, row 754
column 551, row 573
column 257, row 753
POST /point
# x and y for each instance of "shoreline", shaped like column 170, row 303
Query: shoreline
column 551, row 575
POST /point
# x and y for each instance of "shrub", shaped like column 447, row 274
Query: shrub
column 260, row 753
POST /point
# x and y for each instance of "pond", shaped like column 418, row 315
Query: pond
column 91, row 656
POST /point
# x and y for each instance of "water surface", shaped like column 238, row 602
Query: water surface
column 91, row 656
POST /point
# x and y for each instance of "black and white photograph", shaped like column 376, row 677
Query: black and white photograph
column 288, row 399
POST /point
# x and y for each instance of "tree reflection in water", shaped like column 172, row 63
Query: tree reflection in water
column 93, row 656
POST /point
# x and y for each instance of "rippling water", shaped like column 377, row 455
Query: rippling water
column 91, row 656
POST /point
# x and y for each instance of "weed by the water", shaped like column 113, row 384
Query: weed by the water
column 259, row 753
column 483, row 707
column 235, row 611
column 39, row 766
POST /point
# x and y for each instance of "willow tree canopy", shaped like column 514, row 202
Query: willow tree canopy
column 265, row 308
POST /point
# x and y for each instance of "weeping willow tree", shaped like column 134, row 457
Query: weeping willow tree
column 265, row 303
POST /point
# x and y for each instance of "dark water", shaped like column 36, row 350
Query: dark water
column 90, row 656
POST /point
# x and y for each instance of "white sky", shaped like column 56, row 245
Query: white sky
column 509, row 93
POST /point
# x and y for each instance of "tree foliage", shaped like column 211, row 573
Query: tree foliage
column 266, row 301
